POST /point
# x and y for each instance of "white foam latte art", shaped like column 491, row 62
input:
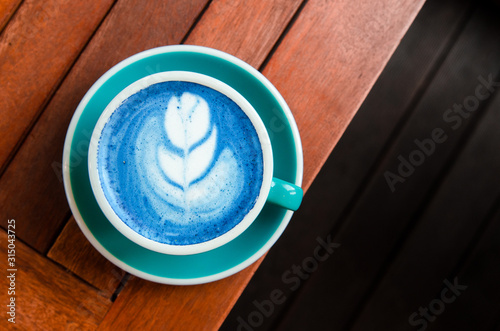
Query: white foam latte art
column 177, row 167
column 187, row 122
column 188, row 177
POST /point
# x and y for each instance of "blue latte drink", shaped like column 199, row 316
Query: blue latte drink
column 180, row 163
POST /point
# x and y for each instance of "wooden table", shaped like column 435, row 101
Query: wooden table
column 323, row 56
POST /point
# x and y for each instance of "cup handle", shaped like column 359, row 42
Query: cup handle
column 285, row 194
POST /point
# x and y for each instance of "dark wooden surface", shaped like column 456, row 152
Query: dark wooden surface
column 398, row 249
column 323, row 57
column 37, row 49
column 48, row 298
column 7, row 9
column 85, row 261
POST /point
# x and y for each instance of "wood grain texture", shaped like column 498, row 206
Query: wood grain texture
column 381, row 218
column 53, row 123
column 298, row 50
column 352, row 158
column 47, row 298
column 337, row 51
column 74, row 251
column 38, row 162
column 245, row 30
column 7, row 9
column 144, row 305
column 37, row 48
column 33, row 164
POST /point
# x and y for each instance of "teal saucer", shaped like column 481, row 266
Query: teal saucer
column 181, row 269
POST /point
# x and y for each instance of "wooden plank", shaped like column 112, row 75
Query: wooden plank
column 319, row 24
column 447, row 227
column 144, row 305
column 46, row 297
column 38, row 161
column 33, row 60
column 74, row 251
column 7, row 9
column 336, row 58
column 246, row 31
column 53, row 123
column 356, row 152
column 380, row 217
column 477, row 306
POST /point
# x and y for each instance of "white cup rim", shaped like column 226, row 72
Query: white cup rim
column 219, row 86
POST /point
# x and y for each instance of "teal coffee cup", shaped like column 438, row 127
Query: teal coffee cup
column 181, row 163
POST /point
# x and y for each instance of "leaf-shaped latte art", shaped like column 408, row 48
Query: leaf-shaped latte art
column 190, row 180
column 187, row 120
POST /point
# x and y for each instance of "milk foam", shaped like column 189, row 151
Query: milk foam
column 180, row 163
